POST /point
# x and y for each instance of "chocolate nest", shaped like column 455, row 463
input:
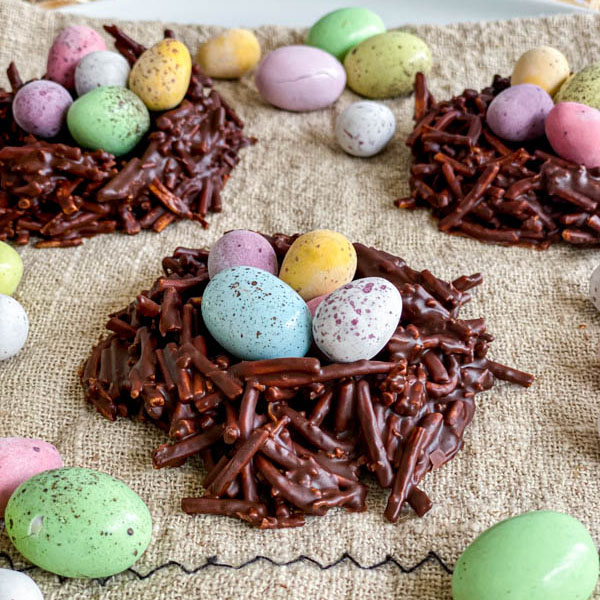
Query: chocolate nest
column 288, row 437
column 62, row 194
column 491, row 190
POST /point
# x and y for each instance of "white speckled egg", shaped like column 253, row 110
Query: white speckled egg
column 18, row 586
column 101, row 68
column 14, row 327
column 357, row 320
column 365, row 128
column 595, row 287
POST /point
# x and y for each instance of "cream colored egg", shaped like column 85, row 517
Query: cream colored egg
column 545, row 67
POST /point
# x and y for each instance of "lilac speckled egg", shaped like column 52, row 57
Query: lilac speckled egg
column 300, row 78
column 69, row 47
column 314, row 303
column 242, row 248
column 15, row 585
column 40, row 107
column 595, row 287
column 21, row 459
column 573, row 131
column 357, row 320
column 519, row 112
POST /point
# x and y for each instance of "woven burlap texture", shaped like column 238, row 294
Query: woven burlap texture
column 526, row 449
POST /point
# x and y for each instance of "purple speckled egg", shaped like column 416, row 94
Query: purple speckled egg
column 40, row 107
column 314, row 303
column 519, row 112
column 242, row 248
column 69, row 47
column 357, row 320
column 573, row 131
column 21, row 459
column 300, row 78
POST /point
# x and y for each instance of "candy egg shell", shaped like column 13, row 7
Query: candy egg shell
column 357, row 320
column 339, row 31
column 110, row 118
column 385, row 65
column 101, row 68
column 40, row 107
column 14, row 327
column 545, row 67
column 519, row 112
column 540, row 555
column 18, row 586
column 255, row 316
column 21, row 459
column 314, row 303
column 573, row 131
column 300, row 78
column 241, row 248
column 595, row 287
column 11, row 269
column 78, row 523
column 583, row 87
column 161, row 75
column 229, row 55
column 68, row 49
column 365, row 128
column 318, row 262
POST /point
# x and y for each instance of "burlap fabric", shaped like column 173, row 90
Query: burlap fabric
column 526, row 450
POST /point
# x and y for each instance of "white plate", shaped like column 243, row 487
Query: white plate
column 295, row 13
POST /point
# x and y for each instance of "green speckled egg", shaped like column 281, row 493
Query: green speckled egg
column 110, row 118
column 385, row 65
column 78, row 523
column 583, row 87
column 541, row 555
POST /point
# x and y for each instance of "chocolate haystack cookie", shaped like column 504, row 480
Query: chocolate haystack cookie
column 62, row 194
column 492, row 190
column 287, row 437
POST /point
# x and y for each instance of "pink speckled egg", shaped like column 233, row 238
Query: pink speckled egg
column 69, row 47
column 242, row 248
column 21, row 459
column 573, row 131
column 314, row 303
column 40, row 107
column 519, row 112
column 357, row 320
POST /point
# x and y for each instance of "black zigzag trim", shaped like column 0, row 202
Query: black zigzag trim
column 212, row 562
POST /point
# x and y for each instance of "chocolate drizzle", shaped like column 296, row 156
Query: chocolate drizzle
column 288, row 437
column 492, row 190
column 62, row 194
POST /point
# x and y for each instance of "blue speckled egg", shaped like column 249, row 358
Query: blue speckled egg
column 254, row 315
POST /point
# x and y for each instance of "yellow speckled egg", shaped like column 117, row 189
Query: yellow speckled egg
column 229, row 55
column 545, row 67
column 318, row 262
column 161, row 75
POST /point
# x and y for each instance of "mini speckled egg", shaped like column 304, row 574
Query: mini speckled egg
column 40, row 107
column 583, row 87
column 357, row 320
column 110, row 118
column 70, row 46
column 573, row 131
column 300, row 78
column 339, row 31
column 545, row 67
column 21, row 459
column 11, row 269
column 385, row 65
column 14, row 327
column 78, row 523
column 541, row 555
column 101, row 68
column 318, row 262
column 519, row 112
column 18, row 586
column 254, row 315
column 595, row 287
column 314, row 303
column 365, row 128
column 242, row 248
column 229, row 55
column 161, row 75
